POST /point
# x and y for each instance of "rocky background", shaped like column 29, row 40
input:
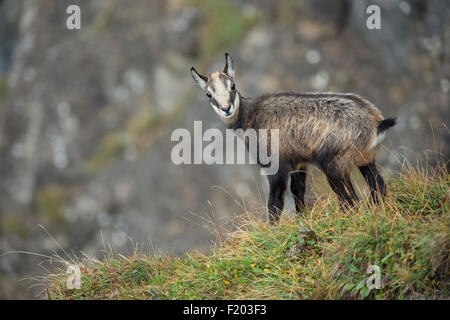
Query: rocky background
column 86, row 115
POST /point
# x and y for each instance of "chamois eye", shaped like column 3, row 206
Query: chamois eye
column 208, row 95
column 233, row 86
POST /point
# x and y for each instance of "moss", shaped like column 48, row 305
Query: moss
column 140, row 123
column 109, row 147
column 224, row 25
column 113, row 144
column 102, row 21
column 3, row 88
column 50, row 200
column 287, row 12
column 12, row 223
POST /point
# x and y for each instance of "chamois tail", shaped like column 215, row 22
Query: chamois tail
column 386, row 124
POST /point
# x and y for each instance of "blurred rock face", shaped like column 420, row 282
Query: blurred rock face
column 86, row 116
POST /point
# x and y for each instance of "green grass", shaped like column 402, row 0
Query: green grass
column 323, row 255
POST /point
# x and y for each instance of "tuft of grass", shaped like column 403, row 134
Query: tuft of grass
column 323, row 254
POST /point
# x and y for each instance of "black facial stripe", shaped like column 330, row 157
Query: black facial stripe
column 214, row 102
column 232, row 96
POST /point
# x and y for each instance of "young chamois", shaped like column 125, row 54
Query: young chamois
column 335, row 131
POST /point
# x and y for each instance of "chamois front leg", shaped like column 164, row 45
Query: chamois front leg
column 277, row 185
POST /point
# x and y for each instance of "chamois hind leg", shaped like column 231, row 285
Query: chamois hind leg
column 277, row 184
column 298, row 188
column 341, row 184
column 375, row 181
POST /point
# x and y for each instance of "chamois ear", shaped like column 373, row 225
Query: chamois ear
column 229, row 68
column 201, row 80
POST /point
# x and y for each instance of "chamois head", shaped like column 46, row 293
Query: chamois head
column 220, row 90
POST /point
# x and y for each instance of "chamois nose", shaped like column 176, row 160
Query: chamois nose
column 227, row 109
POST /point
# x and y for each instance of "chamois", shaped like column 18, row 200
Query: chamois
column 335, row 131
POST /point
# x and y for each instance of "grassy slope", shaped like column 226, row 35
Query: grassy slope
column 407, row 237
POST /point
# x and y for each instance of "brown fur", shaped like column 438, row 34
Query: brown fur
column 336, row 131
column 314, row 125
